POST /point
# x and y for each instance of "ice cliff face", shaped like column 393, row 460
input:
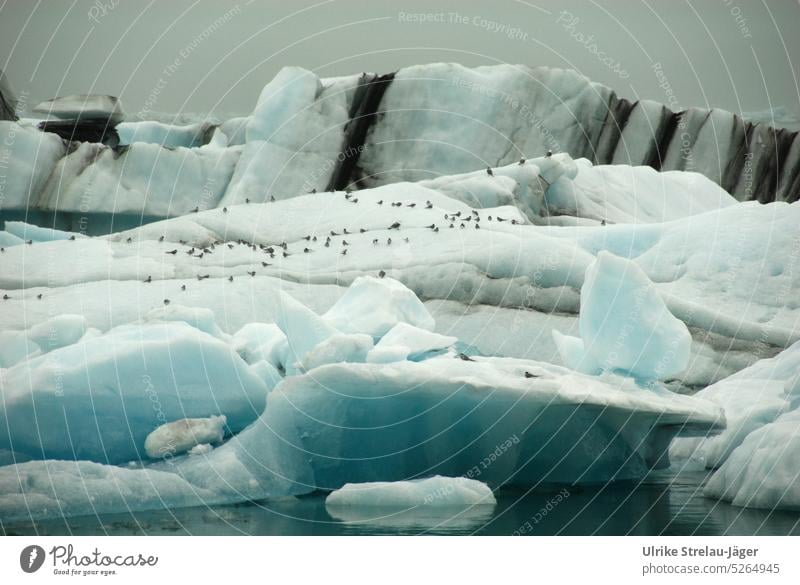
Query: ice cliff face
column 309, row 134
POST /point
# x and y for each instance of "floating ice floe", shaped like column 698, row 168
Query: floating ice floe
column 435, row 491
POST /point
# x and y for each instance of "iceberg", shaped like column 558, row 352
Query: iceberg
column 501, row 421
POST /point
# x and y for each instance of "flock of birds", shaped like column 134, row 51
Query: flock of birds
column 451, row 220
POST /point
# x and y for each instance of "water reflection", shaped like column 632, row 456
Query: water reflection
column 444, row 520
column 662, row 505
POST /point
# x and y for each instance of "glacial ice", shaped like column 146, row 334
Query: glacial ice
column 633, row 194
column 625, row 326
column 404, row 341
column 483, row 418
column 375, row 305
column 434, row 491
column 292, row 139
column 92, row 106
column 180, row 436
column 99, row 398
column 167, row 135
column 339, row 363
column 755, row 457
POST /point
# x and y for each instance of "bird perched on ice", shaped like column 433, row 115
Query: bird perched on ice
column 489, row 171
column 522, row 161
column 549, row 154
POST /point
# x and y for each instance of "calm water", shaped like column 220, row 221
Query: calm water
column 665, row 504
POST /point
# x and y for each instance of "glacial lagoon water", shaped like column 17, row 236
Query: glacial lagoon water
column 664, row 504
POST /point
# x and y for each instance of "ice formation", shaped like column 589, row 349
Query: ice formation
column 395, row 325
column 435, row 491
column 755, row 457
column 183, row 435
column 625, row 325
column 422, row 123
column 88, row 107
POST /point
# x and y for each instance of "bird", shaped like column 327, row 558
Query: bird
column 230, row 279
column 333, row 233
column 395, row 226
column 307, row 238
column 286, row 254
column 306, row 250
column 251, row 273
column 272, row 198
column 344, row 252
column 173, row 252
column 375, row 242
column 549, row 154
column 412, row 205
column 183, row 287
column 529, row 375
column 265, row 264
column 436, row 230
column 224, row 210
column 328, row 244
column 6, row 297
column 489, row 171
column 430, row 227
column 160, row 239
column 344, row 231
column 230, row 246
column 195, row 210
column 129, row 240
column 381, row 274
column 39, row 296
column 72, row 238
column 149, row 279
column 380, row 202
column 464, row 357
column 602, row 222
column 344, row 243
column 362, row 231
column 389, row 241
column 166, row 301
column 522, row 161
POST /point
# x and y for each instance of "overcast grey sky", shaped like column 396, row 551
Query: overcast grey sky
column 741, row 55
